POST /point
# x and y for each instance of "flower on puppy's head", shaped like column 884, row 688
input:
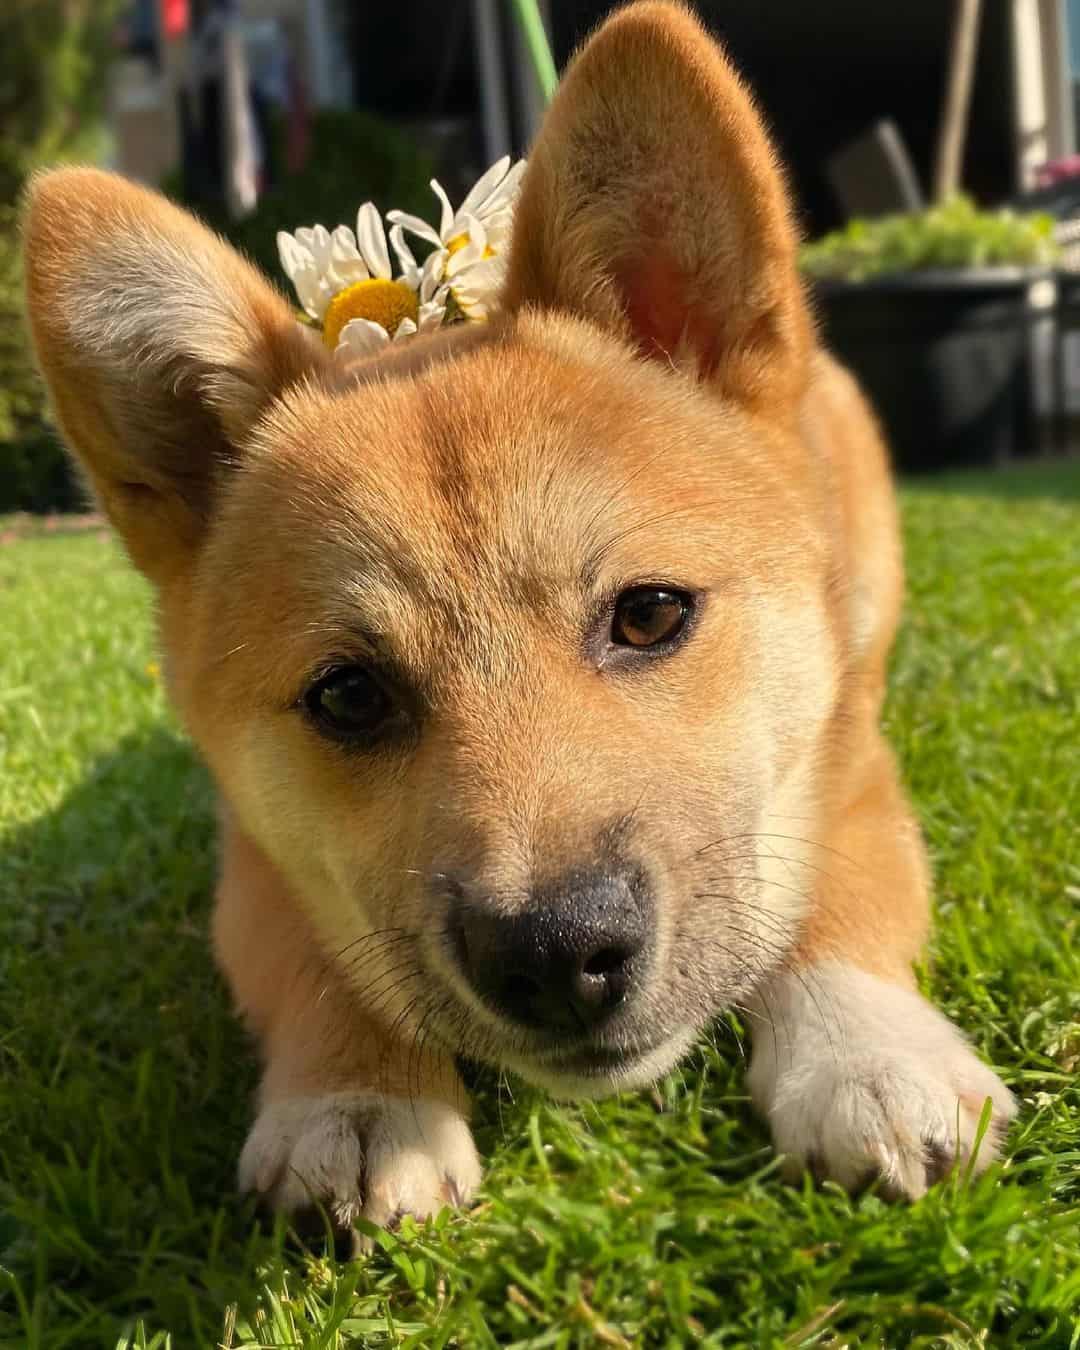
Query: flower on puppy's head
column 347, row 287
column 345, row 283
column 470, row 242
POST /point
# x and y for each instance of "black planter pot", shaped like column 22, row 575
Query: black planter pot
column 945, row 358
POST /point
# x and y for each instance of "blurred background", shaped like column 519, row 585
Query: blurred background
column 931, row 147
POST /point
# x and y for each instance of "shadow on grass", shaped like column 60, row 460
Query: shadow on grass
column 124, row 1079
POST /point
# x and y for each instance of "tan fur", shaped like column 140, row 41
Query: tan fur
column 460, row 507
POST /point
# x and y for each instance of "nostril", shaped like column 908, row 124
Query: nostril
column 602, row 981
column 605, row 962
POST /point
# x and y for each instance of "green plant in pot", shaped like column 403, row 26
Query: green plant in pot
column 954, row 234
column 934, row 312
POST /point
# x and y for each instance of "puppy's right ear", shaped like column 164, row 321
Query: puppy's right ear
column 160, row 347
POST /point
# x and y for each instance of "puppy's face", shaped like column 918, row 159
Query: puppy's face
column 515, row 660
column 513, row 648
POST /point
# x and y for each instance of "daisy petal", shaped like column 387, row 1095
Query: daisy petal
column 498, row 239
column 371, row 239
column 498, row 223
column 310, row 291
column 361, row 337
column 406, row 328
column 320, row 246
column 344, row 243
column 347, row 270
column 475, row 229
column 432, row 273
column 293, row 255
column 504, row 194
column 465, row 258
column 414, row 225
column 477, row 288
column 471, row 306
column 485, row 186
column 410, row 270
column 433, row 311
column 446, row 224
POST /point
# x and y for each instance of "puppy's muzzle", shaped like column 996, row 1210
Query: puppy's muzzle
column 568, row 960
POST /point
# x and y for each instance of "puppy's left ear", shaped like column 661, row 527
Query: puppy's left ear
column 160, row 347
column 653, row 205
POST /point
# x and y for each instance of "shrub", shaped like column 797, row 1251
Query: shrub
column 34, row 472
column 53, row 58
column 355, row 158
column 953, row 235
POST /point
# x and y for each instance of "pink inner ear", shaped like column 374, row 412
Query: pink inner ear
column 662, row 319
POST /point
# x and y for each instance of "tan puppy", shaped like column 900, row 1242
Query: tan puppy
column 539, row 662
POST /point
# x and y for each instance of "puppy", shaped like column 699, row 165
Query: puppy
column 539, row 662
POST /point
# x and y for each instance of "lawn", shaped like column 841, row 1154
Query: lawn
column 654, row 1220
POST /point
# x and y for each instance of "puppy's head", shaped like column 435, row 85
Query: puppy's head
column 511, row 646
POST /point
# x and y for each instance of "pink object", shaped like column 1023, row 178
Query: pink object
column 1057, row 171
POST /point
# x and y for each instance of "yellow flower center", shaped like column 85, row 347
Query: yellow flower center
column 460, row 240
column 381, row 301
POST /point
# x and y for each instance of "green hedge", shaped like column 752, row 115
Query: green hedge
column 34, row 472
column 54, row 55
column 355, row 158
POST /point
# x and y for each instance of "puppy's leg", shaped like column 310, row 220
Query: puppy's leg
column 347, row 1116
column 858, row 1075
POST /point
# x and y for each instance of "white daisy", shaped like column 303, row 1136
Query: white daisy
column 345, row 279
column 362, row 336
column 469, row 242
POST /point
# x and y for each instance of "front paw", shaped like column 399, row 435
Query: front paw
column 361, row 1155
column 863, row 1080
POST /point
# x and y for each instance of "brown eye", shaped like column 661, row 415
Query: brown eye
column 646, row 616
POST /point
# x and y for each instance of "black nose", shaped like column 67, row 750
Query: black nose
column 568, row 960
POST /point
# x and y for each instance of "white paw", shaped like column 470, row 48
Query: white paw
column 361, row 1154
column 861, row 1079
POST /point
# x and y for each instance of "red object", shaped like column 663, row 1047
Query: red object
column 175, row 18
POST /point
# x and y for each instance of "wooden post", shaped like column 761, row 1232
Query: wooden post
column 959, row 78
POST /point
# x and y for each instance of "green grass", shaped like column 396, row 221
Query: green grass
column 655, row 1220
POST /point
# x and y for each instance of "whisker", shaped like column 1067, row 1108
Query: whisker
column 796, row 862
column 363, row 991
column 761, row 973
column 620, row 488
column 764, row 915
column 782, row 958
column 424, row 1035
column 791, row 838
column 777, row 926
column 600, row 554
column 390, row 1044
column 364, row 937
column 726, row 1026
column 763, row 881
column 380, row 1003
column 380, row 949
column 792, row 968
